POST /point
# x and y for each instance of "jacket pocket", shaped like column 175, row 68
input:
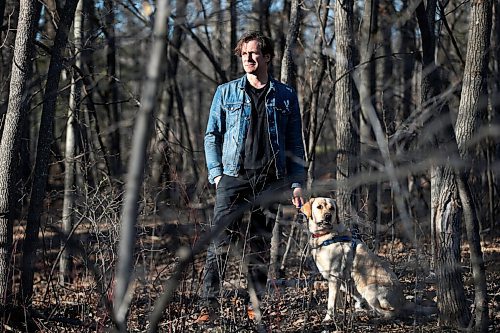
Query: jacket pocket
column 233, row 113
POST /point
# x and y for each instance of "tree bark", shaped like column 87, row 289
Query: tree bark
column 347, row 140
column 445, row 210
column 29, row 13
column 318, row 75
column 472, row 115
column 10, row 8
column 367, row 97
column 233, row 70
column 288, row 74
column 385, row 82
column 493, row 151
column 114, row 139
column 288, row 77
column 66, row 261
column 45, row 137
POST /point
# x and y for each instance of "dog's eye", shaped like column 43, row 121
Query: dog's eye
column 319, row 206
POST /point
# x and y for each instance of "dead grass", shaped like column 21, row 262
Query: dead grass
column 80, row 306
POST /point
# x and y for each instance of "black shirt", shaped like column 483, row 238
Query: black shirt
column 258, row 156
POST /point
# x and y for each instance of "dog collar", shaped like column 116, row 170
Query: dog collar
column 319, row 235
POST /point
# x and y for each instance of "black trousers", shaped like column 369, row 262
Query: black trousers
column 234, row 197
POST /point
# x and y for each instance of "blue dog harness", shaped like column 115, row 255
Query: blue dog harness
column 340, row 239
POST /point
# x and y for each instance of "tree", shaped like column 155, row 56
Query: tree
column 18, row 106
column 288, row 77
column 233, row 68
column 471, row 116
column 317, row 77
column 114, row 140
column 135, row 174
column 45, row 137
column 368, row 31
column 288, row 74
column 167, row 130
column 445, row 213
column 66, row 262
column 8, row 35
column 347, row 140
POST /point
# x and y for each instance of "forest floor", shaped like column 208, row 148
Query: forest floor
column 296, row 307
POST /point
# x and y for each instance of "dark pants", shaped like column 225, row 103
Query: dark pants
column 235, row 196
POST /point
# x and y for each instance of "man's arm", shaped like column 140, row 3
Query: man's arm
column 214, row 139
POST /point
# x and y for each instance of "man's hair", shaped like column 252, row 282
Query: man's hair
column 265, row 43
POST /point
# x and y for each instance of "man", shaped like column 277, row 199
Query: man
column 254, row 154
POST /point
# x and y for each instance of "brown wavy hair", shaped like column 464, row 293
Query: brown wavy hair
column 265, row 43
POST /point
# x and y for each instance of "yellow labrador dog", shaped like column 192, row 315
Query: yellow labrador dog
column 342, row 259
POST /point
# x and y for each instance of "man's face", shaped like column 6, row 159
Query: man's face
column 254, row 62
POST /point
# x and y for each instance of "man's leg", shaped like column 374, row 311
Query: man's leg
column 228, row 209
column 260, row 232
column 259, row 242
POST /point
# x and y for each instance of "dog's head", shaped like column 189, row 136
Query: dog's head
column 322, row 215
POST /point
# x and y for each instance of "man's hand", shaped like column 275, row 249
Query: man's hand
column 217, row 180
column 297, row 198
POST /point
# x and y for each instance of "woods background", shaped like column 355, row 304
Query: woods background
column 104, row 198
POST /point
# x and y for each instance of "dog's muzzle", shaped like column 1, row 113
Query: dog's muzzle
column 327, row 220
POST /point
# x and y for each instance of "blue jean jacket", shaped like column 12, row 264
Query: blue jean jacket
column 228, row 124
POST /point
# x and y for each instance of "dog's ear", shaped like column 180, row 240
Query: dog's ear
column 307, row 209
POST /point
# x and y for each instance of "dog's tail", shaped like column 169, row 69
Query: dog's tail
column 383, row 308
column 413, row 308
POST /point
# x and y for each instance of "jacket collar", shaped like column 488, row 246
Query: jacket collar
column 242, row 82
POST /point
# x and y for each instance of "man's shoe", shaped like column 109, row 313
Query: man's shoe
column 250, row 312
column 208, row 314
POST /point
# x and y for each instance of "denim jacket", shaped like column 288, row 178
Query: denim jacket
column 228, row 124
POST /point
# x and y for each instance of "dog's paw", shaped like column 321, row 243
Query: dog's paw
column 328, row 318
column 360, row 305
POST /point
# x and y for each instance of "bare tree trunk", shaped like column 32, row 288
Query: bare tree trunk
column 403, row 99
column 322, row 9
column 114, row 144
column 164, row 159
column 66, row 261
column 43, row 149
column 407, row 46
column 493, row 151
column 122, row 294
column 2, row 10
column 18, row 106
column 472, row 115
column 445, row 210
column 233, row 70
column 260, row 22
column 446, row 214
column 367, row 98
column 6, row 52
column 288, row 74
column 347, row 140
column 385, row 82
